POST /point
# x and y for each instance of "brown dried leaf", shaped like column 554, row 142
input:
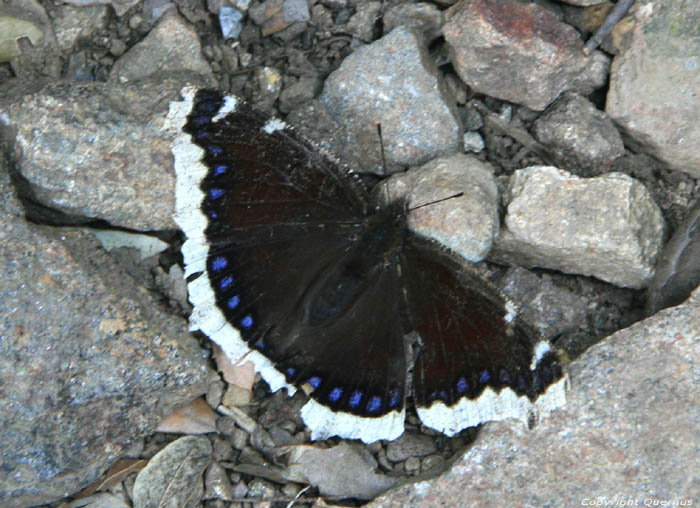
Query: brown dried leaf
column 339, row 471
column 242, row 375
column 194, row 418
column 114, row 476
column 173, row 477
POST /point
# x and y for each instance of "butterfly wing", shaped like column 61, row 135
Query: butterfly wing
column 479, row 360
column 267, row 219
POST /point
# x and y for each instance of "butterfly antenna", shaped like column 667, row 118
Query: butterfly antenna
column 458, row 195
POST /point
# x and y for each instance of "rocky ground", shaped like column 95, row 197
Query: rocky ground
column 582, row 167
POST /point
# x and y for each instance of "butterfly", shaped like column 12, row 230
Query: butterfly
column 292, row 265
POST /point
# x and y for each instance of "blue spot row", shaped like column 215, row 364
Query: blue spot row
column 462, row 385
column 226, row 282
column 220, row 169
column 315, row 381
column 485, row 376
column 200, row 121
column 355, row 398
column 233, row 302
column 216, row 193
column 219, row 263
column 335, row 394
column 374, row 404
column 505, row 377
column 214, row 150
column 394, row 397
column 247, row 321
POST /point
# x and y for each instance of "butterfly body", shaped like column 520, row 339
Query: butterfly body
column 302, row 275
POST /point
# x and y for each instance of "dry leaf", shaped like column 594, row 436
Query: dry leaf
column 114, row 476
column 242, row 375
column 194, row 418
column 173, row 477
column 339, row 471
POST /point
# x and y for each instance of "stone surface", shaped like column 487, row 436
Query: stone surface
column 655, row 82
column 120, row 6
column 551, row 309
column 608, row 226
column 629, row 430
column 467, row 224
column 579, row 135
column 88, row 152
column 172, row 46
column 73, row 23
column 519, row 52
column 390, row 81
column 424, row 18
column 410, row 444
column 88, row 362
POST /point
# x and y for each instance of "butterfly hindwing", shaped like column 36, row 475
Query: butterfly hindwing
column 479, row 360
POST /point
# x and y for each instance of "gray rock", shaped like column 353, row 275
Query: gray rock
column 362, row 23
column 230, row 20
column 607, row 226
column 582, row 3
column 172, row 46
column 551, row 309
column 538, row 57
column 73, row 23
column 80, row 153
column 467, row 224
column 473, row 142
column 424, row 18
column 629, row 430
column 92, row 362
column 295, row 11
column 393, row 82
column 655, row 83
column 410, row 444
column 120, row 6
column 216, row 483
column 579, row 135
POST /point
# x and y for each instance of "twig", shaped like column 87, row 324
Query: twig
column 610, row 21
column 492, row 120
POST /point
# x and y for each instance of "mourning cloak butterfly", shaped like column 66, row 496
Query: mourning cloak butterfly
column 298, row 273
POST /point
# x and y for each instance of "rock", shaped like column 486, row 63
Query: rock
column 658, row 76
column 467, row 224
column 410, row 444
column 362, row 23
column 73, row 23
column 551, row 309
column 579, row 135
column 425, row 18
column 629, row 430
column 473, row 142
column 172, row 46
column 93, row 362
column 607, row 226
column 79, row 152
column 519, row 52
column 390, row 81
